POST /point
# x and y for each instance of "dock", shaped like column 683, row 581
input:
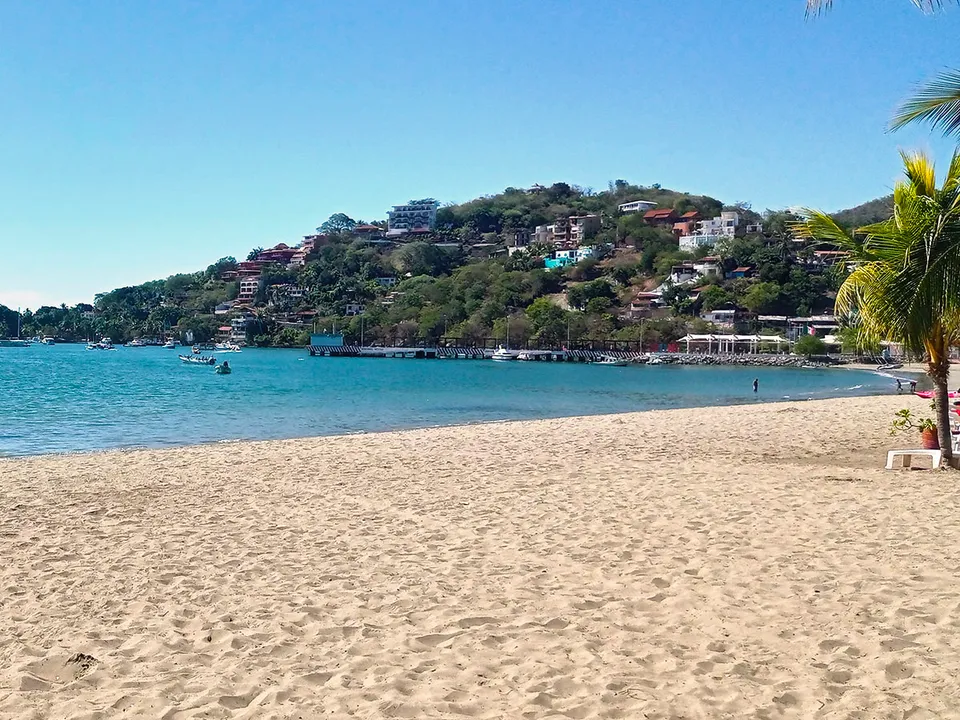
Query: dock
column 468, row 353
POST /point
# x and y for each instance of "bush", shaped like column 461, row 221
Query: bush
column 809, row 345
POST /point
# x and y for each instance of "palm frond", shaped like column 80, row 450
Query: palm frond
column 936, row 102
column 819, row 226
column 921, row 173
column 816, row 7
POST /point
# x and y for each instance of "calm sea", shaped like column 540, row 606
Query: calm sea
column 65, row 398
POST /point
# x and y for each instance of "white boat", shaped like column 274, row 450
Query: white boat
column 136, row 342
column 170, row 345
column 610, row 360
column 104, row 344
column 13, row 342
column 48, row 341
column 198, row 360
column 502, row 354
column 226, row 347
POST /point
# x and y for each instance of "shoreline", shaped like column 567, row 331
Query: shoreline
column 746, row 402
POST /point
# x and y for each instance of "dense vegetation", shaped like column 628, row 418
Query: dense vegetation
column 449, row 286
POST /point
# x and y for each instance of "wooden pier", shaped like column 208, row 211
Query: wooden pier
column 469, row 353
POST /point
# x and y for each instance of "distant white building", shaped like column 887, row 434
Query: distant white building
column 351, row 309
column 708, row 267
column 238, row 330
column 571, row 230
column 710, row 232
column 636, row 206
column 248, row 288
column 415, row 216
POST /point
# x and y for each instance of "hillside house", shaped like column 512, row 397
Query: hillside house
column 248, row 288
column 661, row 217
column 682, row 273
column 636, row 206
column 708, row 267
column 562, row 258
column 281, row 254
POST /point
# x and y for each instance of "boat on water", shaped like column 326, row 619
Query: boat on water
column 610, row 360
column 502, row 354
column 136, row 342
column 48, row 341
column 198, row 360
column 655, row 360
column 226, row 347
column 104, row 344
column 170, row 345
column 14, row 342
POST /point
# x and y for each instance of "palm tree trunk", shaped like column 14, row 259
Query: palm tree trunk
column 938, row 368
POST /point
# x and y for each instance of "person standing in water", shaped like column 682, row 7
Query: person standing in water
column 756, row 384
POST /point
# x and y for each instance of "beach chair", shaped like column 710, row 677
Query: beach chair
column 906, row 457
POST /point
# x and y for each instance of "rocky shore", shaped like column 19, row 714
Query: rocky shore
column 746, row 359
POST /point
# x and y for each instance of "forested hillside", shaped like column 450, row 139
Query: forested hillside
column 460, row 282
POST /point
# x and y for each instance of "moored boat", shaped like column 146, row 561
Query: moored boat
column 610, row 360
column 502, row 354
column 14, row 342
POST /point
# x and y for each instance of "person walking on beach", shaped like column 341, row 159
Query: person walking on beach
column 756, row 384
column 913, row 386
column 899, row 385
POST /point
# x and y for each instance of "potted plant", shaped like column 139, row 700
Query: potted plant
column 906, row 421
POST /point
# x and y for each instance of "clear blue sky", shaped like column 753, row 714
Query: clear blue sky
column 142, row 139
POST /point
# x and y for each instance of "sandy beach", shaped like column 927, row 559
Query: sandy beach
column 725, row 562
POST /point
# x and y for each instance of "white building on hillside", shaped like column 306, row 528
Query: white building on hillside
column 710, row 232
column 415, row 216
column 248, row 288
column 636, row 206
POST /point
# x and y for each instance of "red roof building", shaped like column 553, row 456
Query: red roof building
column 661, row 216
column 280, row 253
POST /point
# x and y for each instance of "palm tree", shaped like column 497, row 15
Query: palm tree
column 905, row 287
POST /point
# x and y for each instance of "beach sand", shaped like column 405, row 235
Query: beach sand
column 724, row 562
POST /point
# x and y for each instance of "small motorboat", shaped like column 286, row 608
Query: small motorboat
column 227, row 347
column 501, row 354
column 198, row 360
column 136, row 342
column 170, row 345
column 610, row 360
column 48, row 341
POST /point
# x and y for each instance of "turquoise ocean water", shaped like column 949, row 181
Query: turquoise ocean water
column 65, row 398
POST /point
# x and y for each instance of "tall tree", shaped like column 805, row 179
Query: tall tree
column 905, row 287
column 338, row 223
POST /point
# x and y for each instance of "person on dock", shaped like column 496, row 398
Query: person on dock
column 756, row 384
